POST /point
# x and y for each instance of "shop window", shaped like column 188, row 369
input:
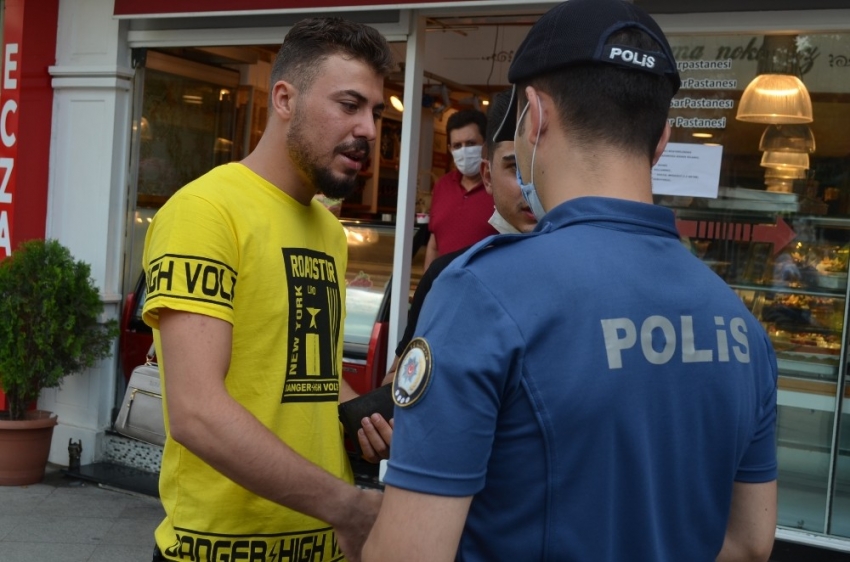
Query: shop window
column 778, row 232
column 186, row 130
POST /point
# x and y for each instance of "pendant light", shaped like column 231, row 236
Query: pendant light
column 775, row 98
column 395, row 101
column 787, row 138
column 776, row 95
column 784, row 173
column 779, row 186
column 782, row 160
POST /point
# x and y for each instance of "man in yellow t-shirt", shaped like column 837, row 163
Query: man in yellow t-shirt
column 246, row 297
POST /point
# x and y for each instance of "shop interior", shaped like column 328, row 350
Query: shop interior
column 778, row 232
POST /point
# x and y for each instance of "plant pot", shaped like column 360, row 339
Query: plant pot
column 24, row 447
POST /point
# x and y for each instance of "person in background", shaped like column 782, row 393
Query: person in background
column 460, row 205
column 511, row 213
column 590, row 391
column 246, row 296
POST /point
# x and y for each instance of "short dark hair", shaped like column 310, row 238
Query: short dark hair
column 466, row 117
column 608, row 103
column 500, row 104
column 312, row 40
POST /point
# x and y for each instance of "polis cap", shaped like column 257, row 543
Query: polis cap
column 575, row 32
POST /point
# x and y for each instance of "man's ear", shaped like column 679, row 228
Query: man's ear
column 486, row 177
column 284, row 96
column 662, row 144
column 534, row 121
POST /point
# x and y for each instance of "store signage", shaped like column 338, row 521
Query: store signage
column 26, row 113
column 779, row 234
column 131, row 8
column 10, row 94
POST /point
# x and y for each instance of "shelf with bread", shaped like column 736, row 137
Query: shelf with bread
column 805, row 329
column 797, row 287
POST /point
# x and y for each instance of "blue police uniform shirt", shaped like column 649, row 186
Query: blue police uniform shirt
column 594, row 386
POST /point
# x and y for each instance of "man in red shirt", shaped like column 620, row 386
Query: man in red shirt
column 460, row 206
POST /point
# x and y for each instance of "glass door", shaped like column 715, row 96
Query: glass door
column 184, row 125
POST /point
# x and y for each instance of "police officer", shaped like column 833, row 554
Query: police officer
column 590, row 391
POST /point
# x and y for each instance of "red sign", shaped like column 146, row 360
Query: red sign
column 10, row 97
column 26, row 107
column 779, row 234
column 188, row 7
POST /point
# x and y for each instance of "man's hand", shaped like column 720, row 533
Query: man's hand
column 354, row 531
column 390, row 376
column 375, row 437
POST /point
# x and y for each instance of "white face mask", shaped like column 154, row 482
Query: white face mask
column 468, row 160
column 501, row 224
column 529, row 191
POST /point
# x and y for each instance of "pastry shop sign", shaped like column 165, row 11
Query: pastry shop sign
column 173, row 8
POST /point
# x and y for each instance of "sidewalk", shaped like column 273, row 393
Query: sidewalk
column 66, row 519
column 69, row 520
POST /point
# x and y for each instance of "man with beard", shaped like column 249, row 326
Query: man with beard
column 246, row 298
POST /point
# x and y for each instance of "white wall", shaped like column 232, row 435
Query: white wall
column 87, row 194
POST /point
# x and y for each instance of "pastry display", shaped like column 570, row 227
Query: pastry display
column 785, row 340
column 812, row 265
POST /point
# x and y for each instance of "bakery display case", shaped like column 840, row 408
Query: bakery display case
column 367, row 294
column 801, row 304
column 790, row 268
column 791, row 271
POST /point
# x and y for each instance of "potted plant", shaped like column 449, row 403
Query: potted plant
column 50, row 328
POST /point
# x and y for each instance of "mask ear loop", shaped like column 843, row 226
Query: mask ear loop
column 537, row 139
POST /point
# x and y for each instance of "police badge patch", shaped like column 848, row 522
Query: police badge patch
column 414, row 373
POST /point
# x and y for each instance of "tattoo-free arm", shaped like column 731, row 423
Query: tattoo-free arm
column 205, row 419
column 416, row 527
column 752, row 523
column 431, row 251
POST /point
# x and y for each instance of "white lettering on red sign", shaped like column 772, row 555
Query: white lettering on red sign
column 10, row 66
column 7, row 165
column 9, row 138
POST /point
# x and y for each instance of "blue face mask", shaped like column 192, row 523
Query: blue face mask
column 529, row 192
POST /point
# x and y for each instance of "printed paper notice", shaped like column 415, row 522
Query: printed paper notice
column 691, row 170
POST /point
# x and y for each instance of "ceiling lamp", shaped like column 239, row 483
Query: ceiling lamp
column 223, row 145
column 775, row 98
column 396, row 103
column 784, row 173
column 787, row 138
column 777, row 95
column 145, row 133
column 784, row 160
column 779, row 186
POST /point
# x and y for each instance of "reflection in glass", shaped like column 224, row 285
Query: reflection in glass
column 370, row 266
column 189, row 131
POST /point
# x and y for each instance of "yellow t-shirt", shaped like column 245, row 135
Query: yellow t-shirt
column 232, row 246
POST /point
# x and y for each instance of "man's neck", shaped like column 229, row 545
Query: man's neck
column 596, row 172
column 266, row 161
column 469, row 182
